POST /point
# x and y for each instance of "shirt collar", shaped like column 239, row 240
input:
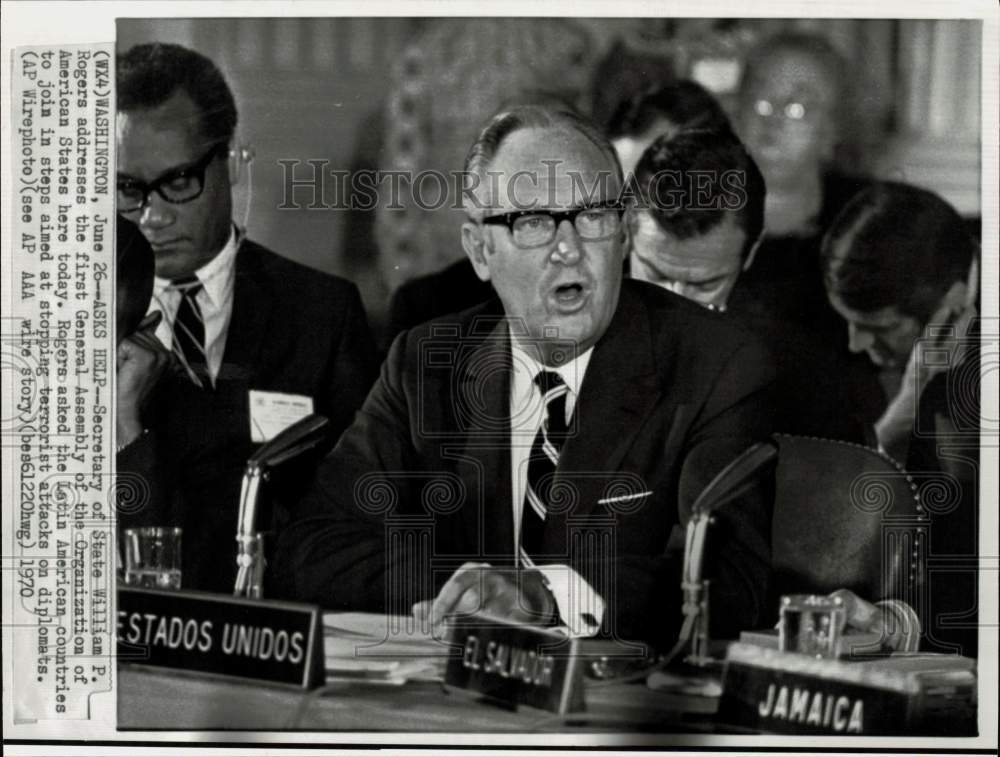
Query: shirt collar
column 526, row 367
column 216, row 275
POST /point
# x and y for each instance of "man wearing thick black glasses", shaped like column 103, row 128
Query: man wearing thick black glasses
column 242, row 324
column 531, row 457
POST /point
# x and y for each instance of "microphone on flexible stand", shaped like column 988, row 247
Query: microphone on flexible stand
column 297, row 439
column 732, row 482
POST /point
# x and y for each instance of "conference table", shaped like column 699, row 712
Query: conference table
column 384, row 674
column 152, row 698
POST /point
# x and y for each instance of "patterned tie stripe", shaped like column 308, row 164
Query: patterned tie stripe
column 189, row 331
column 542, row 463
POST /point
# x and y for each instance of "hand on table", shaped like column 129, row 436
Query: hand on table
column 894, row 621
column 140, row 361
column 519, row 596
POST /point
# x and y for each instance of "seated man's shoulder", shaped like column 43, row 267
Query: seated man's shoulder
column 695, row 347
column 677, row 319
column 288, row 277
column 458, row 280
column 465, row 328
column 446, row 344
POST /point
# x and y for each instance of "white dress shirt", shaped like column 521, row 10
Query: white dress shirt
column 215, row 300
column 576, row 599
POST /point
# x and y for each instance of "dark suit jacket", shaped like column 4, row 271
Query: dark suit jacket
column 292, row 330
column 944, row 455
column 823, row 389
column 420, row 483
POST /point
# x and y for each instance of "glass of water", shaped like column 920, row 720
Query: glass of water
column 153, row 557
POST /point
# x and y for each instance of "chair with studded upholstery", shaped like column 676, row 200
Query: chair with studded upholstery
column 847, row 517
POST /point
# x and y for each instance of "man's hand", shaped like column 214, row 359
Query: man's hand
column 519, row 596
column 140, row 361
column 895, row 426
column 950, row 324
column 895, row 622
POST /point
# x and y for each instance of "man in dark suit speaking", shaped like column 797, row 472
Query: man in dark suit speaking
column 258, row 340
column 531, row 457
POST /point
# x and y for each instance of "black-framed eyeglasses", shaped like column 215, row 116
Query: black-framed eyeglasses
column 534, row 228
column 178, row 185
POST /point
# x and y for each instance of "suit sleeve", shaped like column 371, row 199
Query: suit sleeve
column 401, row 312
column 353, row 364
column 143, row 494
column 335, row 552
column 737, row 414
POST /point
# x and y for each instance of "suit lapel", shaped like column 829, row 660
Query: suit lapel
column 483, row 412
column 253, row 301
column 619, row 391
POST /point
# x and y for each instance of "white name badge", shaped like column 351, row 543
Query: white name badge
column 273, row 412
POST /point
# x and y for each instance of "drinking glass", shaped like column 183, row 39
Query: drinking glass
column 153, row 557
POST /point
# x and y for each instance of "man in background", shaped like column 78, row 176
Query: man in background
column 902, row 271
column 698, row 214
column 898, row 261
column 259, row 340
column 697, row 220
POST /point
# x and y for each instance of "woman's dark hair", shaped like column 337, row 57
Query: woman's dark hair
column 684, row 103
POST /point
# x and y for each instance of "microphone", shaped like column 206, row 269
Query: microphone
column 735, row 479
column 296, row 440
column 732, row 482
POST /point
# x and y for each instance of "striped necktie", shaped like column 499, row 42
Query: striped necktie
column 542, row 463
column 189, row 332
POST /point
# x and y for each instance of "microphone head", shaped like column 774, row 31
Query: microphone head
column 736, row 478
column 300, row 437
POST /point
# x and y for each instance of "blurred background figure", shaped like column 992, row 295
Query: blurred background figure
column 662, row 110
column 901, row 269
column 624, row 73
column 790, row 104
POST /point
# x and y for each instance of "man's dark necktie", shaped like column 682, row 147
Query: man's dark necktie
column 542, row 466
column 189, row 332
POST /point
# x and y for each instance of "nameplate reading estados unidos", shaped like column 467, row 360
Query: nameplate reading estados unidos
column 278, row 642
column 516, row 664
